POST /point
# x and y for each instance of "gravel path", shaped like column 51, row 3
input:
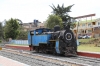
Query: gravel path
column 86, row 61
column 27, row 60
column 34, row 60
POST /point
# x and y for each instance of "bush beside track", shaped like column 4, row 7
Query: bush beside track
column 92, row 45
column 0, row 41
column 95, row 41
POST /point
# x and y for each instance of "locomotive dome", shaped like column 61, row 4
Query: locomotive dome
column 56, row 28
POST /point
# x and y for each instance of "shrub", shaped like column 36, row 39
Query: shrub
column 0, row 41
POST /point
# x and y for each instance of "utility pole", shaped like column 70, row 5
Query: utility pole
column 77, row 31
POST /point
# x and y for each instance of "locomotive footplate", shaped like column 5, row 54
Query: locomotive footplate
column 70, row 51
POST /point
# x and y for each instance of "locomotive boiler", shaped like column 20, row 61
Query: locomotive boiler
column 57, row 41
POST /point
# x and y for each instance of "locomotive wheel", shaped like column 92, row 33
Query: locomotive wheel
column 36, row 49
column 43, row 50
column 75, row 45
column 75, row 49
column 30, row 46
column 54, row 52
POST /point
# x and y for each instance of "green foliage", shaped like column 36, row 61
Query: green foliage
column 86, row 41
column 0, row 41
column 19, row 45
column 11, row 28
column 62, row 12
column 88, row 47
column 1, row 31
column 53, row 20
column 23, row 34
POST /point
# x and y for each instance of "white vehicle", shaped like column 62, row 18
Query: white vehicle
column 86, row 36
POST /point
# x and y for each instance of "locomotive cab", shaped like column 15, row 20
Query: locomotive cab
column 37, row 38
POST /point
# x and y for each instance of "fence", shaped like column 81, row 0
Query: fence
column 25, row 42
column 19, row 42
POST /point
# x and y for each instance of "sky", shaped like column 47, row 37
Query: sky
column 28, row 10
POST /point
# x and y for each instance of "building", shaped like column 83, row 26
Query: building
column 32, row 26
column 89, row 27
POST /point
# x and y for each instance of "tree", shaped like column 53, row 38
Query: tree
column 22, row 34
column 11, row 28
column 1, row 31
column 62, row 12
column 53, row 20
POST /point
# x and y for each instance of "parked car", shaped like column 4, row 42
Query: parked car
column 80, row 37
column 86, row 37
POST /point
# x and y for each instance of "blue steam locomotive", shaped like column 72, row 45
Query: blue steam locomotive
column 57, row 41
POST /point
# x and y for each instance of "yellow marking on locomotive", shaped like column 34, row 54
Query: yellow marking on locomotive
column 0, row 48
column 52, row 40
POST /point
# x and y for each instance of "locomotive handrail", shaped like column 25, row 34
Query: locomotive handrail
column 52, row 40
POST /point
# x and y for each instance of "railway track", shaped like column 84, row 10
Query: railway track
column 60, row 60
column 55, row 60
column 89, row 61
column 40, row 60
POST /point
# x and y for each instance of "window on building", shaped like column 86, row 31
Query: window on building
column 89, row 31
column 79, row 31
column 98, row 23
column 89, row 24
column 83, row 25
column 93, row 23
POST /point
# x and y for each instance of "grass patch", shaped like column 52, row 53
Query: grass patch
column 88, row 47
column 86, row 40
column 19, row 44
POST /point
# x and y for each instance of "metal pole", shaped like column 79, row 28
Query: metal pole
column 77, row 31
column 86, row 26
column 77, row 34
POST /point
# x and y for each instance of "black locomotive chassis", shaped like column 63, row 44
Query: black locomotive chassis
column 67, row 50
column 70, row 51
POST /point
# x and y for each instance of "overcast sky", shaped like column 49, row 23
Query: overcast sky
column 28, row 10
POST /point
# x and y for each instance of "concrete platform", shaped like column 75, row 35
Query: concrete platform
column 9, row 62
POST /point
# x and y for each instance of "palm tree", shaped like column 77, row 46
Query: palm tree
column 62, row 12
column 20, row 22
